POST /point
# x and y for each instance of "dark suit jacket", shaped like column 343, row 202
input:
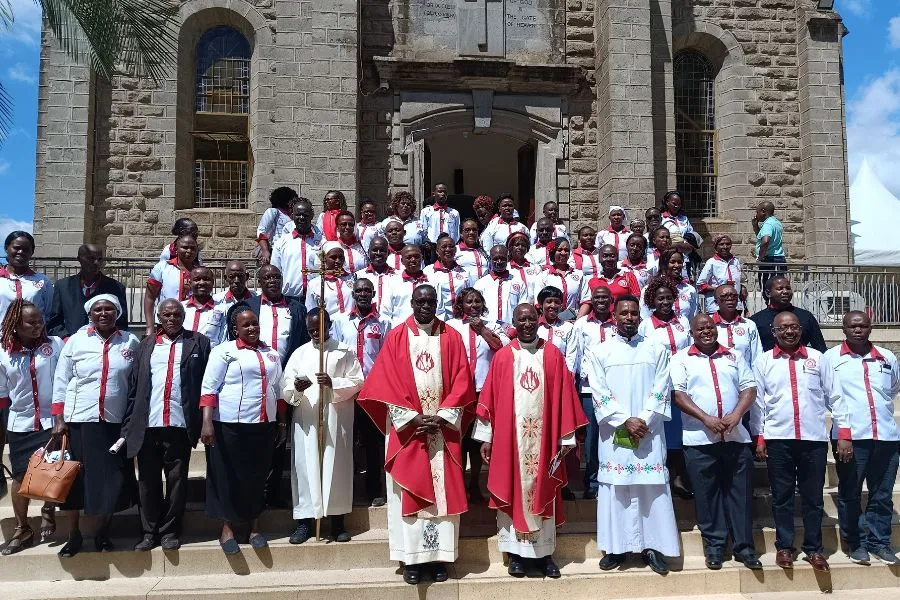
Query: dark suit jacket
column 194, row 356
column 298, row 335
column 811, row 335
column 68, row 305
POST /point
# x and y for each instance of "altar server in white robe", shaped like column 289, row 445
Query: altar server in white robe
column 420, row 393
column 328, row 493
column 629, row 378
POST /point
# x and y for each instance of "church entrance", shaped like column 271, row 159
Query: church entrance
column 473, row 164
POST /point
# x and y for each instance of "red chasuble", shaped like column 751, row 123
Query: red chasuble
column 562, row 416
column 392, row 383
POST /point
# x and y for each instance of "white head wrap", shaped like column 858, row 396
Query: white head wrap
column 103, row 297
column 614, row 208
column 331, row 245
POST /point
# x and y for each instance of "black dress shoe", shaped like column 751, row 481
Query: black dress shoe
column 655, row 561
column 567, row 494
column 102, row 543
column 611, row 561
column 170, row 542
column 411, row 575
column 682, row 492
column 379, row 501
column 590, row 494
column 338, row 532
column 516, row 566
column 301, row 533
column 439, row 572
column 550, row 568
column 713, row 562
column 73, row 546
column 146, row 544
column 749, row 560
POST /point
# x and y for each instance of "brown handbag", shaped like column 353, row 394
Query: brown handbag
column 49, row 482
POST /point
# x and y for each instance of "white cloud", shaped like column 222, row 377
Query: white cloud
column 27, row 25
column 21, row 72
column 4, row 167
column 873, row 128
column 860, row 8
column 894, row 32
column 8, row 225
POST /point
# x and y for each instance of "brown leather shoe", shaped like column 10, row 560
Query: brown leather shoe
column 785, row 559
column 818, row 562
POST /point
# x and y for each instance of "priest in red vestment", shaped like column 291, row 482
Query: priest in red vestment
column 420, row 394
column 528, row 413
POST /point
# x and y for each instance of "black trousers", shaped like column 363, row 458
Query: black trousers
column 800, row 465
column 371, row 441
column 166, row 452
column 275, row 476
column 723, row 494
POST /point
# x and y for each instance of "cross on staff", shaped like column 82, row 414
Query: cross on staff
column 322, row 272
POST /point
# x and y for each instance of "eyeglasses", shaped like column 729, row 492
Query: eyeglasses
column 785, row 328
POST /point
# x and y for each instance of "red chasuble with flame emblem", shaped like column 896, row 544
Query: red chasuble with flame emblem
column 562, row 415
column 391, row 383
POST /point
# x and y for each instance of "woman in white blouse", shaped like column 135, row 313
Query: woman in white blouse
column 482, row 339
column 563, row 276
column 241, row 403
column 90, row 391
column 27, row 363
column 18, row 280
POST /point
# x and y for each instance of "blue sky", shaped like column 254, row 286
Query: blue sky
column 872, row 76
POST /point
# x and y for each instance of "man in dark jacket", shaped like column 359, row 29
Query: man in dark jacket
column 282, row 325
column 70, row 294
column 162, row 421
column 779, row 290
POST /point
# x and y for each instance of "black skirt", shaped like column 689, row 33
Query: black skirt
column 22, row 446
column 106, row 482
column 236, row 470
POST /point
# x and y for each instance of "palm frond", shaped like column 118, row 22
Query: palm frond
column 6, row 113
column 138, row 37
column 6, row 14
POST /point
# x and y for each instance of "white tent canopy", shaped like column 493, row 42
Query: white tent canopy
column 873, row 220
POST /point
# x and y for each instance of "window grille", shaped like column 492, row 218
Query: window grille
column 221, row 184
column 223, row 72
column 696, row 155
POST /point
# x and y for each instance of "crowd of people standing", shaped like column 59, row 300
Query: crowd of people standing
column 432, row 342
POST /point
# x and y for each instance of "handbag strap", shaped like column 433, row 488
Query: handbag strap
column 63, row 446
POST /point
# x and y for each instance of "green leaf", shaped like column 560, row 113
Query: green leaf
column 6, row 14
column 6, row 113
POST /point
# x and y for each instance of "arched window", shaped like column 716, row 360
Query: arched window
column 221, row 124
column 695, row 133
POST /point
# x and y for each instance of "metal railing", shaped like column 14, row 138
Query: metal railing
column 827, row 291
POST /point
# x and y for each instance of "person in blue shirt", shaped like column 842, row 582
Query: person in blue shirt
column 769, row 249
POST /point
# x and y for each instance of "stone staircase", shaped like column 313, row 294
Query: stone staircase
column 360, row 569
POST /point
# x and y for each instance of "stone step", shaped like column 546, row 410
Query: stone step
column 317, row 568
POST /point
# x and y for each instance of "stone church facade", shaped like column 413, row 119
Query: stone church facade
column 587, row 102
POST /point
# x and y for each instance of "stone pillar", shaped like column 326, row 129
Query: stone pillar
column 625, row 104
column 63, row 183
column 823, row 142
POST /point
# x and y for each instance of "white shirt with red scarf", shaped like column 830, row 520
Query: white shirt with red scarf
column 225, row 299
column 338, row 294
column 382, row 283
column 363, row 333
column 171, row 280
column 572, row 283
column 26, row 384
column 674, row 334
column 365, row 233
column 448, row 283
column 34, row 287
column 91, row 379
column 272, row 225
column 586, row 262
column 527, row 274
column 502, row 294
column 587, row 332
column 741, row 335
column 498, row 231
column 275, row 325
column 206, row 318
column 437, row 219
column 539, row 255
column 166, row 409
column 400, row 300
column 355, row 258
column 686, row 302
column 473, row 260
column 868, row 385
column 478, row 351
column 793, row 391
column 613, row 238
column 169, row 252
column 641, row 273
column 242, row 383
column 294, row 254
column 558, row 333
column 718, row 271
column 559, row 231
column 714, row 382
